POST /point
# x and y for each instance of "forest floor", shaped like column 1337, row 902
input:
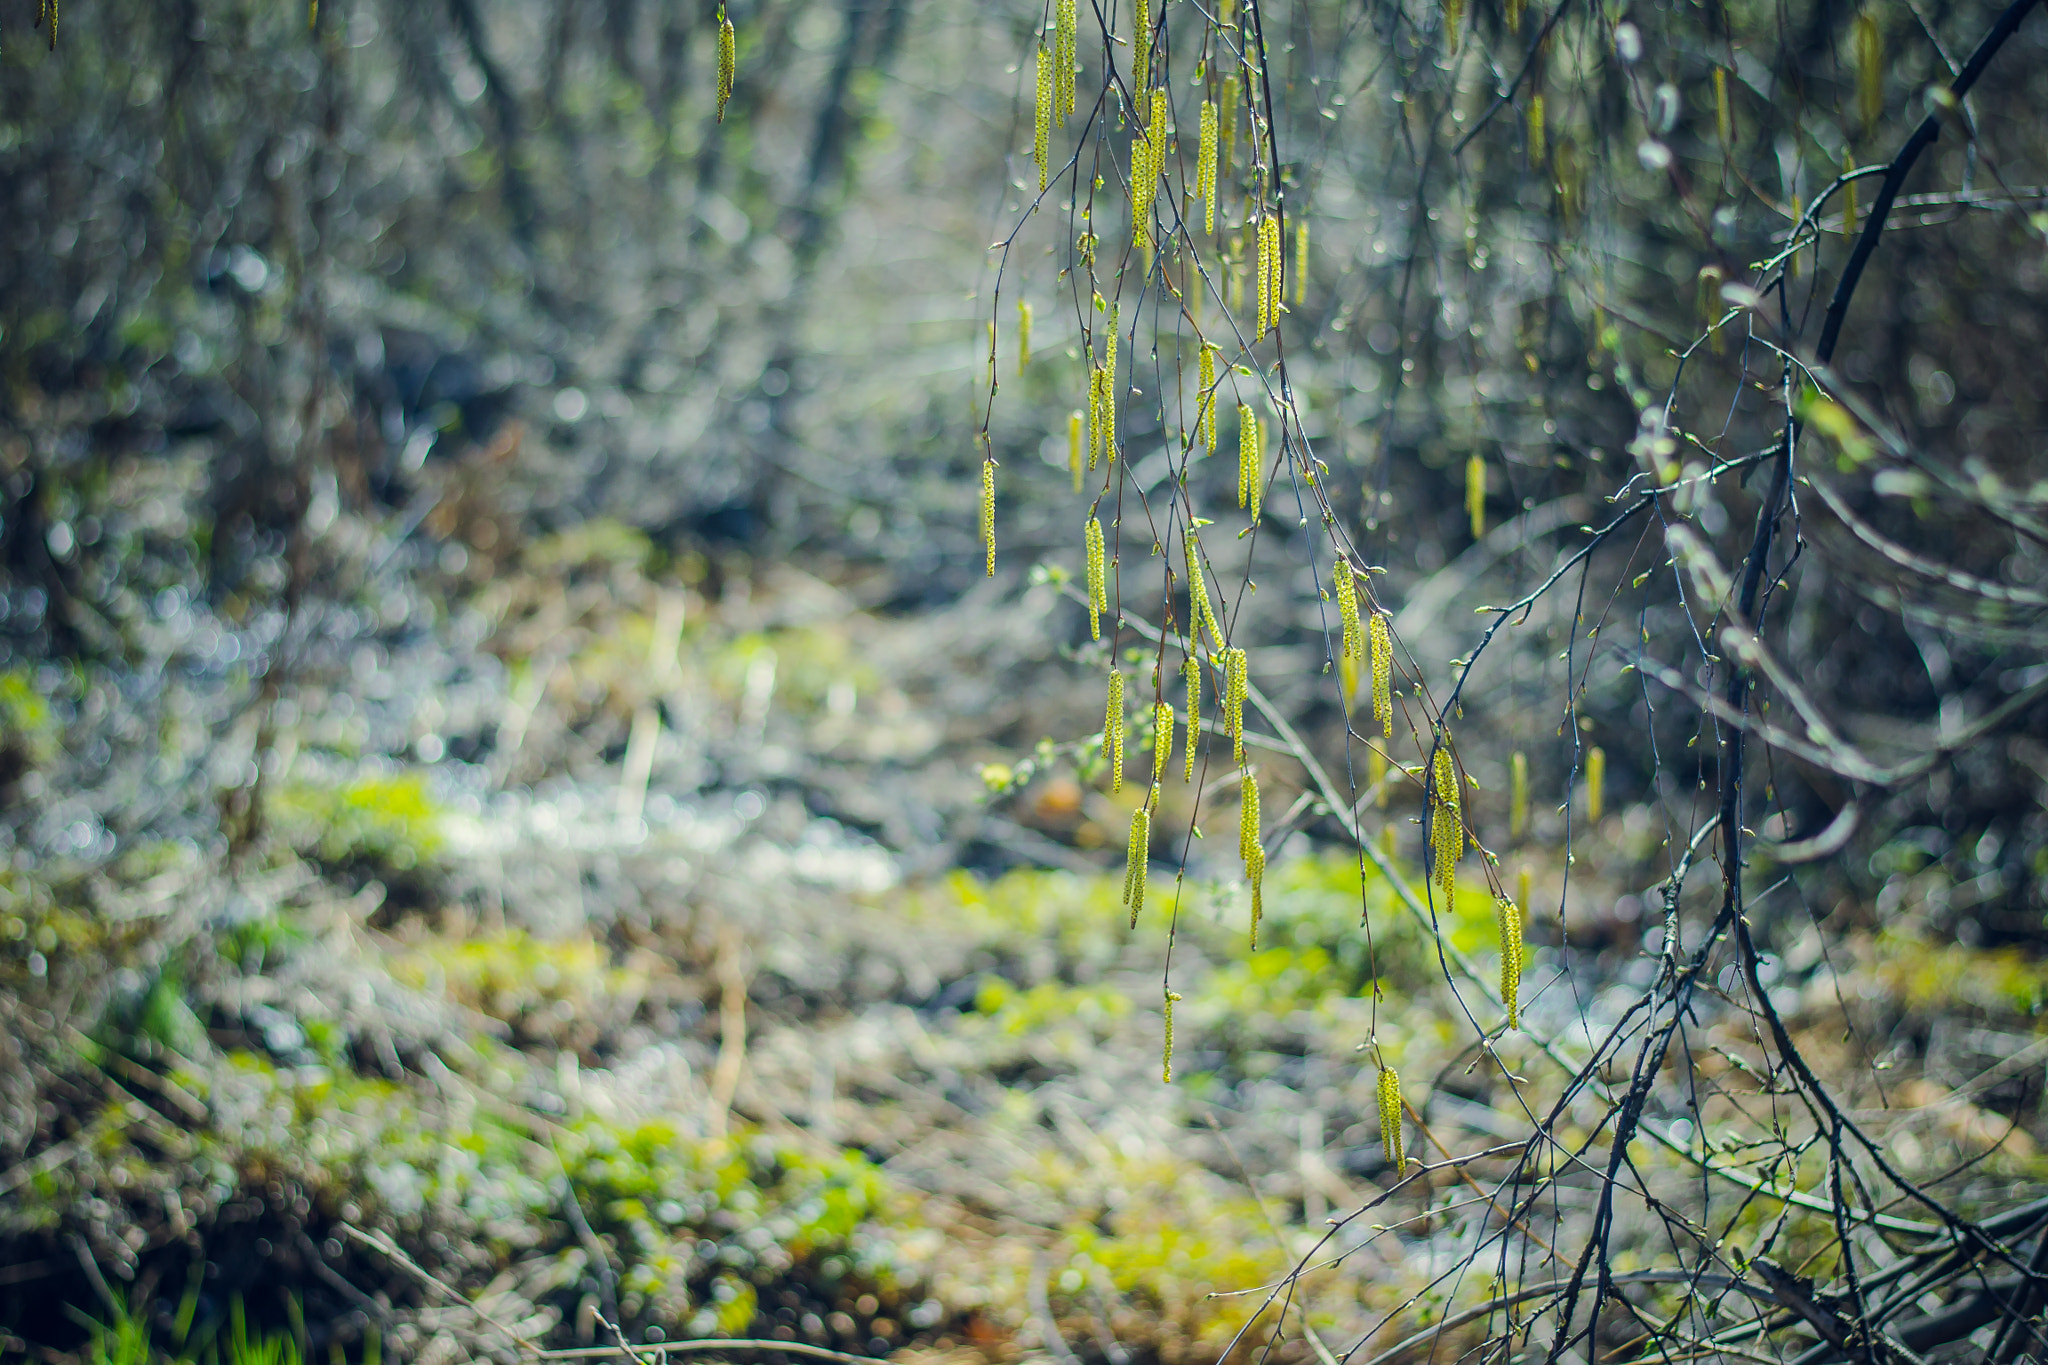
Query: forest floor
column 635, row 947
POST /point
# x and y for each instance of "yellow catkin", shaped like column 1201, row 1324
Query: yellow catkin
column 1352, row 650
column 1869, row 44
column 1724, row 115
column 1066, row 35
column 1098, row 578
column 1596, row 784
column 1252, row 850
column 1095, row 417
column 1166, row 1057
column 1137, row 858
column 1537, row 151
column 1205, row 168
column 1041, row 128
column 1518, row 795
column 1446, row 827
column 1390, row 1119
column 1522, row 886
column 1848, row 197
column 1508, row 915
column 1148, row 163
column 1475, row 494
column 1191, row 675
column 1236, row 684
column 1380, row 638
column 1162, row 740
column 1376, row 777
column 1023, row 335
column 1113, row 730
column 1200, row 607
column 1301, row 262
column 1141, row 47
column 1226, row 123
column 1269, row 247
column 1276, row 268
column 1205, row 403
column 728, row 61
column 988, row 512
column 1109, row 395
column 1247, row 455
column 1454, row 18
column 1074, row 447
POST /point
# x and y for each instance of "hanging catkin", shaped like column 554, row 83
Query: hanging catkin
column 1446, row 827
column 1454, row 16
column 1390, row 1119
column 1141, row 48
column 1509, row 917
column 1236, row 684
column 1724, row 118
column 1252, row 850
column 1166, row 1057
column 1041, row 131
column 1191, row 673
column 728, row 60
column 1137, row 857
column 1537, row 151
column 1065, row 45
column 1098, row 580
column 1301, row 262
column 1023, row 335
column 1203, row 611
column 1205, row 168
column 1869, row 45
column 1269, row 246
column 1518, row 795
column 988, row 512
column 1205, row 404
column 1381, row 638
column 1352, row 650
column 1113, row 730
column 1475, row 494
column 1074, row 447
column 1247, row 457
column 1596, row 784
column 1162, row 740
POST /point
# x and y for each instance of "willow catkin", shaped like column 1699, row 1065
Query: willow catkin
column 1200, row 607
column 1869, row 45
column 1162, row 740
column 1252, row 850
column 1137, row 858
column 1247, row 455
column 1508, row 916
column 1065, row 46
column 1166, row 1057
column 1518, row 795
column 1098, row 578
column 1023, row 335
column 1191, row 674
column 1596, row 784
column 1236, row 684
column 1301, row 262
column 1446, row 826
column 728, row 60
column 1205, row 404
column 1113, row 730
column 1074, row 447
column 1205, row 168
column 988, row 512
column 1381, row 639
column 1041, row 126
column 1389, row 1095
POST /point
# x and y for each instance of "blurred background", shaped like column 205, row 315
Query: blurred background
column 525, row 824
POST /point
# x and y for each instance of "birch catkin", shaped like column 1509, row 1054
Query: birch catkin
column 1475, row 494
column 1074, row 447
column 1382, row 641
column 1191, row 673
column 1301, row 262
column 1166, row 1058
column 1269, row 247
column 1023, row 333
column 1252, row 850
column 988, row 512
column 1162, row 741
column 1098, row 579
column 1353, row 648
column 1247, row 455
column 1518, row 796
column 1041, row 132
column 1065, row 45
column 1390, row 1119
column 1509, row 916
column 1236, row 683
column 1446, row 826
column 1205, row 405
column 1596, row 784
column 1205, row 168
column 1200, row 607
column 1137, row 858
column 1141, row 47
column 1113, row 730
column 728, row 61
